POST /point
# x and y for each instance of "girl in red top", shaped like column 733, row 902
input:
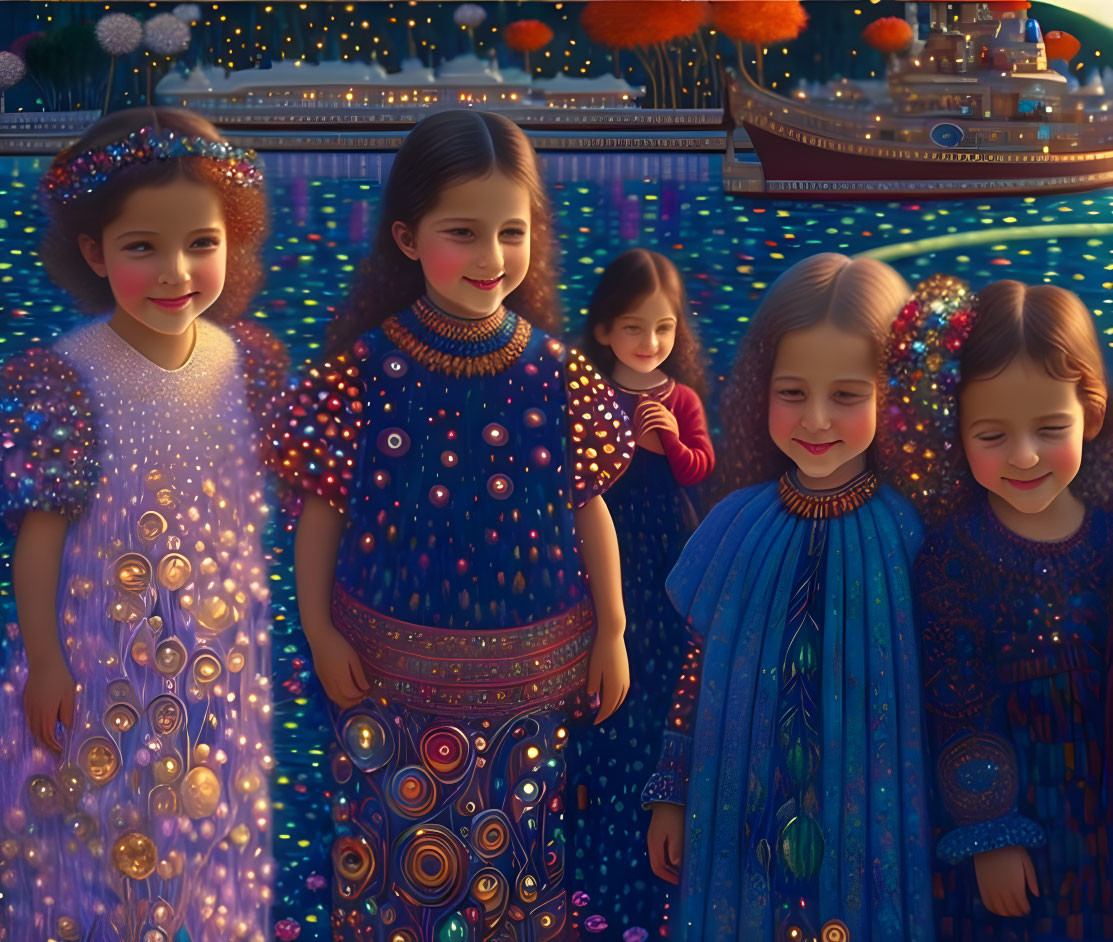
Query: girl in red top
column 639, row 334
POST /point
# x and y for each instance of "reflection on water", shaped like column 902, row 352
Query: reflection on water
column 729, row 250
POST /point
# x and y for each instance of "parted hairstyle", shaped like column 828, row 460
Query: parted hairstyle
column 861, row 296
column 443, row 150
column 1053, row 328
column 245, row 211
column 626, row 282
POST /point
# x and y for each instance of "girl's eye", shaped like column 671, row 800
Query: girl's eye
column 665, row 329
column 513, row 233
column 791, row 395
column 990, row 437
column 206, row 242
column 632, row 328
column 1054, row 430
column 849, row 397
column 137, row 247
column 460, row 233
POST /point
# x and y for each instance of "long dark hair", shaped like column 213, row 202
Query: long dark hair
column 245, row 211
column 446, row 149
column 627, row 281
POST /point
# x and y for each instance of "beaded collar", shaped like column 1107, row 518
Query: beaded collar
column 458, row 346
column 823, row 505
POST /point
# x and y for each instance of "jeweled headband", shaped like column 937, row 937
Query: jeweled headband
column 88, row 170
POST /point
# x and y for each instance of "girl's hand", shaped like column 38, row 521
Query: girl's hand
column 1002, row 876
column 653, row 415
column 48, row 699
column 608, row 672
column 666, row 841
column 339, row 668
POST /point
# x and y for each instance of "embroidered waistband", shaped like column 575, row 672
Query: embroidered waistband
column 495, row 670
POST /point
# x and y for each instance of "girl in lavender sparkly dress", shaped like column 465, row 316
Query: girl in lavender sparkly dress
column 134, row 759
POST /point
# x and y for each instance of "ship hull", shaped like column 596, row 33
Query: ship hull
column 797, row 163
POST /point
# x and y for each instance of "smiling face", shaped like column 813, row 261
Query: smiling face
column 1022, row 432
column 473, row 245
column 641, row 338
column 823, row 403
column 164, row 255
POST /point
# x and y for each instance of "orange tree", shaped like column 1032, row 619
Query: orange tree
column 526, row 36
column 759, row 22
column 646, row 27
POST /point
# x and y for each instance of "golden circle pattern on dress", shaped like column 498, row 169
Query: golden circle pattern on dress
column 412, row 792
column 170, row 657
column 834, row 930
column 490, row 833
column 99, row 759
column 132, row 572
column 150, row 526
column 366, row 742
column 120, row 717
column 134, row 855
column 165, row 713
column 206, row 668
column 200, row 791
column 433, row 864
column 174, row 571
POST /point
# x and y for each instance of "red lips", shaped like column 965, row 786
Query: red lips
column 485, row 285
column 173, row 304
column 815, row 448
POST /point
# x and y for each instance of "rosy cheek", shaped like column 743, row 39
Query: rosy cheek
column 860, row 425
column 446, row 263
column 129, row 279
column 782, row 422
column 986, row 466
column 1064, row 457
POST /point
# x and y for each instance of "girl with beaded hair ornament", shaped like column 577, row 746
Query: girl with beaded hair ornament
column 134, row 788
column 789, row 801
column 1007, row 451
column 639, row 332
column 455, row 454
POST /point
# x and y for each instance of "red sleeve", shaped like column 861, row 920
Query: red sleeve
column 690, row 454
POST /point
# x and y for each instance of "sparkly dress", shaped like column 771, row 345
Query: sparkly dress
column 1016, row 654
column 794, row 739
column 457, row 450
column 153, row 824
column 608, row 763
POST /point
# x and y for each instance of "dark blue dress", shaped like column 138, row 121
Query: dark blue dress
column 458, row 449
column 607, row 764
column 1016, row 654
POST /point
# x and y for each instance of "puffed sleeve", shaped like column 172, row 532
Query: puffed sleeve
column 47, row 437
column 600, row 442
column 688, row 451
column 314, row 436
column 669, row 783
column 975, row 762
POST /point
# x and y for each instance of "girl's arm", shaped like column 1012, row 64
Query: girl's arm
column 666, row 791
column 315, row 546
column 608, row 672
column 36, row 567
column 968, row 733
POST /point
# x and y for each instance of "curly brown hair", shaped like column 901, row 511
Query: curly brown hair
column 861, row 296
column 626, row 282
column 1052, row 327
column 245, row 211
column 443, row 150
